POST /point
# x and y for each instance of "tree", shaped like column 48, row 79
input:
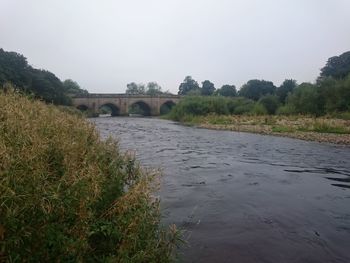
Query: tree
column 208, row 88
column 153, row 89
column 41, row 84
column 306, row 99
column 72, row 88
column 335, row 94
column 270, row 103
column 188, row 85
column 133, row 89
column 227, row 91
column 47, row 86
column 254, row 89
column 337, row 67
column 286, row 88
column 14, row 68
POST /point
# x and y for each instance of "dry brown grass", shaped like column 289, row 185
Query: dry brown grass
column 66, row 195
column 322, row 129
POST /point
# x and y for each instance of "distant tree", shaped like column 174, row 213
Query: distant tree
column 335, row 94
column 41, row 84
column 47, row 86
column 270, row 103
column 255, row 89
column 14, row 68
column 72, row 88
column 306, row 99
column 337, row 67
column 153, row 89
column 208, row 88
column 188, row 85
column 227, row 91
column 133, row 88
column 286, row 88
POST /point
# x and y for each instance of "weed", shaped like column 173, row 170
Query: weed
column 68, row 196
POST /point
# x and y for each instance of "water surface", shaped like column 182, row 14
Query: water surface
column 245, row 197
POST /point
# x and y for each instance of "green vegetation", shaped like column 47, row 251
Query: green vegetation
column 330, row 95
column 325, row 129
column 227, row 91
column 41, row 84
column 68, row 196
column 151, row 89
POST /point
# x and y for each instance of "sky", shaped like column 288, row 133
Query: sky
column 105, row 44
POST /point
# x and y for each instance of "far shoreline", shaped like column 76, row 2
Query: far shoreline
column 342, row 139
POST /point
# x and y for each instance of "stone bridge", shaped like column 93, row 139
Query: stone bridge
column 120, row 104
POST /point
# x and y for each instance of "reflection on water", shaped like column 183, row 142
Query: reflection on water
column 244, row 197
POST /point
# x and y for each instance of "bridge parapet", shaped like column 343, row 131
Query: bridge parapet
column 122, row 95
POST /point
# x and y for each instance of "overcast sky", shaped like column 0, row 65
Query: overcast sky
column 105, row 44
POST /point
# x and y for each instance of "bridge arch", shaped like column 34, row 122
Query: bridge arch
column 166, row 107
column 82, row 107
column 109, row 108
column 141, row 108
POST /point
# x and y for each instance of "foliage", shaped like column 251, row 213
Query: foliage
column 270, row 103
column 204, row 105
column 153, row 89
column 14, row 68
column 67, row 196
column 208, row 88
column 72, row 88
column 337, row 67
column 227, row 91
column 259, row 109
column 133, row 88
column 254, row 89
column 42, row 84
column 188, row 85
column 287, row 109
column 285, row 89
column 305, row 99
column 49, row 87
column 341, row 115
column 323, row 126
column 241, row 106
column 335, row 94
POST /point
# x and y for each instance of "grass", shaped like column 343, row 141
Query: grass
column 68, row 196
column 323, row 129
column 323, row 126
column 277, row 123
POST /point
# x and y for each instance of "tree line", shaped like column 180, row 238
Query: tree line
column 42, row 84
column 330, row 93
column 151, row 89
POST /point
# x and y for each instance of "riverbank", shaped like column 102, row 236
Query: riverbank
column 68, row 195
column 322, row 129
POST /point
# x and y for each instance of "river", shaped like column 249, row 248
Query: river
column 244, row 197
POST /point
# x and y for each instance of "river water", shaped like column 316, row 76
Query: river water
column 244, row 197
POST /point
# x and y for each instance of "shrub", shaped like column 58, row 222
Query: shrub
column 258, row 109
column 306, row 99
column 270, row 103
column 287, row 109
column 67, row 196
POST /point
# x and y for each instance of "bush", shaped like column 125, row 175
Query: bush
column 258, row 109
column 67, row 196
column 287, row 109
column 306, row 100
column 270, row 103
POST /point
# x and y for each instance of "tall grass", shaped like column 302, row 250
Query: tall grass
column 68, row 196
